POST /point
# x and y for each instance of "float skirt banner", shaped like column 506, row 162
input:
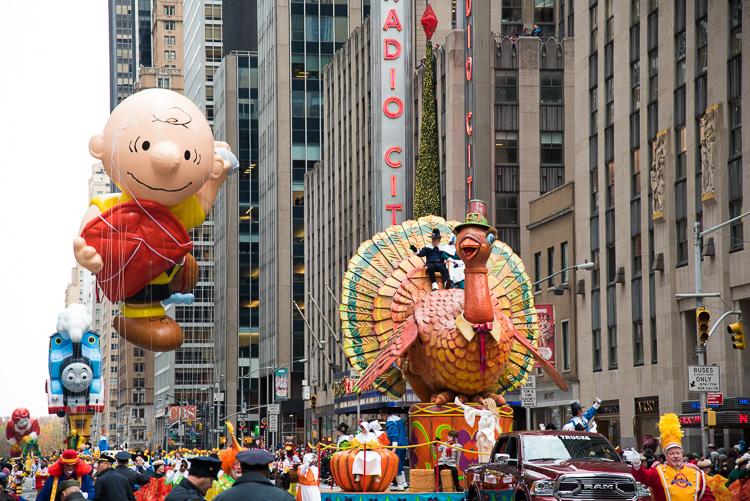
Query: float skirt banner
column 400, row 496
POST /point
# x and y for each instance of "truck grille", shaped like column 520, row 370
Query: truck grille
column 596, row 487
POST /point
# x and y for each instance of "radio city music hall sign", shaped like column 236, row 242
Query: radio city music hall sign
column 391, row 35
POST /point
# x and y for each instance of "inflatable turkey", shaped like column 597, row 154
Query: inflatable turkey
column 472, row 344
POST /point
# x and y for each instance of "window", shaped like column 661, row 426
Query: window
column 610, row 185
column 551, row 266
column 594, row 110
column 594, row 22
column 544, row 11
column 635, row 164
column 139, row 367
column 512, row 11
column 597, row 347
column 637, row 343
column 736, row 233
column 609, row 31
column 506, row 87
column 735, row 128
column 635, row 11
column 137, row 413
column 113, row 369
column 612, row 340
column 551, row 87
column 169, row 10
column 506, row 148
column 506, row 206
column 635, row 85
column 164, row 83
column 169, row 25
column 565, row 345
column 680, row 58
column 637, row 255
column 653, row 73
column 213, row 33
column 564, row 260
column 735, row 27
column 213, row 12
column 701, row 43
column 551, row 148
column 537, row 270
column 609, row 89
column 654, row 341
column 594, row 190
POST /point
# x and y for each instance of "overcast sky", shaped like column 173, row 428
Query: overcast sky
column 54, row 95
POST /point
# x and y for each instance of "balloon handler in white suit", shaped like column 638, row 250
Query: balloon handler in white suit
column 488, row 427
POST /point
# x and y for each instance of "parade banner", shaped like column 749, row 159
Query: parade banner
column 546, row 316
column 281, row 384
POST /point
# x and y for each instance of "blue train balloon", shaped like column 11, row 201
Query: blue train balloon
column 75, row 383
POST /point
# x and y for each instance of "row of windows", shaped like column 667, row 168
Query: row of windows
column 550, row 87
column 551, row 266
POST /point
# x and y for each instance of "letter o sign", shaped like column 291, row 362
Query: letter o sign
column 399, row 110
column 468, row 69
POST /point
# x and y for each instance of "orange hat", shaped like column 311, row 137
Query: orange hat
column 229, row 456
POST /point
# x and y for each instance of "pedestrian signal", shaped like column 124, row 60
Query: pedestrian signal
column 703, row 316
column 738, row 335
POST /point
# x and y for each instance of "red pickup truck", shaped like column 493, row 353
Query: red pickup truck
column 552, row 466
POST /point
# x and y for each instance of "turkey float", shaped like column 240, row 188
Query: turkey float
column 472, row 344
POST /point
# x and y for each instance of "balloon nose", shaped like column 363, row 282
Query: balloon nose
column 165, row 157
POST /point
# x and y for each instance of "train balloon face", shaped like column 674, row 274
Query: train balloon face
column 75, row 384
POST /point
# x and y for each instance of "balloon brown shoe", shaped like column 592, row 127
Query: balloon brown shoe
column 154, row 333
column 186, row 278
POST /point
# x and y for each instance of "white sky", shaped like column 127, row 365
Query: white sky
column 54, row 95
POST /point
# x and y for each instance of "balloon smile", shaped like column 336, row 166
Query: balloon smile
column 157, row 189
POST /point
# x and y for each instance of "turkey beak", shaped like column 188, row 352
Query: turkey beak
column 470, row 246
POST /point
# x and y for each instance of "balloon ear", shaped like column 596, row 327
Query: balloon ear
column 96, row 146
column 219, row 167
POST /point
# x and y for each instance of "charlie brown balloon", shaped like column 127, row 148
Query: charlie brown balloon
column 158, row 148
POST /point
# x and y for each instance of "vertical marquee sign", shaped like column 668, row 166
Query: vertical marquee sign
column 469, row 100
column 391, row 111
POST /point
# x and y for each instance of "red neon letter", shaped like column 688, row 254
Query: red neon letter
column 393, row 209
column 389, row 42
column 388, row 161
column 393, row 186
column 468, row 124
column 743, row 418
column 468, row 182
column 468, row 68
column 393, row 78
column 392, row 21
column 398, row 112
column 468, row 154
column 468, row 8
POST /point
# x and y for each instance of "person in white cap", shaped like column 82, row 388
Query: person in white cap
column 365, row 464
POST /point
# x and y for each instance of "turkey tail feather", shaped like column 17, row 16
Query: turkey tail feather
column 556, row 377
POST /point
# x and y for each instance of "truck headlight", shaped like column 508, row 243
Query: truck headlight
column 642, row 490
column 543, row 487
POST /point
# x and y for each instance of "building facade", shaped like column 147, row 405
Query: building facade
column 681, row 165
column 165, row 72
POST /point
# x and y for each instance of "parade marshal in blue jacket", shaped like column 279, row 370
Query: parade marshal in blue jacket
column 580, row 421
column 396, row 429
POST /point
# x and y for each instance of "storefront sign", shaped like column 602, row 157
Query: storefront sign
column 545, row 314
column 181, row 413
column 391, row 105
column 714, row 399
column 281, row 384
column 647, row 405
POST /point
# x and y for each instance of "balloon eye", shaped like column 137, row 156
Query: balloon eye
column 146, row 145
column 92, row 340
column 58, row 340
column 84, row 376
column 70, row 377
column 187, row 154
column 490, row 238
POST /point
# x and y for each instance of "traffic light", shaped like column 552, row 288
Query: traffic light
column 313, row 401
column 188, row 422
column 738, row 335
column 200, row 426
column 710, row 418
column 703, row 316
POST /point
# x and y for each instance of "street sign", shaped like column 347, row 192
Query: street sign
column 242, row 417
column 528, row 397
column 305, row 393
column 274, row 409
column 273, row 421
column 219, row 396
column 530, row 383
column 714, row 399
column 704, row 378
column 181, row 430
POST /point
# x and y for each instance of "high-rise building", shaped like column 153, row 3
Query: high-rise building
column 680, row 167
column 236, row 332
column 167, row 42
column 203, row 50
column 122, row 52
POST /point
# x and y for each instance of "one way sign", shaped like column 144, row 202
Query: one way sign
column 704, row 378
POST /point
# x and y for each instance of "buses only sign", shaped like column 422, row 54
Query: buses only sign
column 704, row 378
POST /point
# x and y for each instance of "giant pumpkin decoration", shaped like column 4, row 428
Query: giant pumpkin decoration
column 341, row 469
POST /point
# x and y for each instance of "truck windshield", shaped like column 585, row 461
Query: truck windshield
column 560, row 447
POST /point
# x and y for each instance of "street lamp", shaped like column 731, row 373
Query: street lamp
column 273, row 394
column 588, row 265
